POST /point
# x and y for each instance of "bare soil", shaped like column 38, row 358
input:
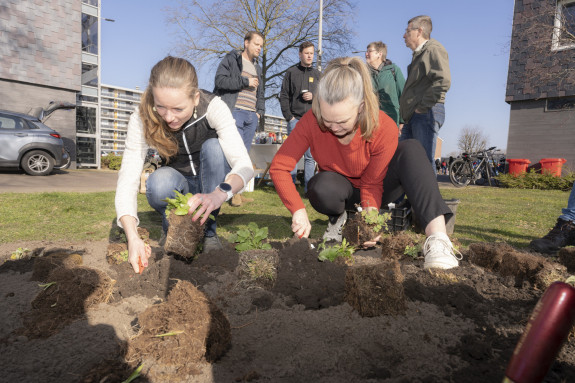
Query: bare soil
column 211, row 319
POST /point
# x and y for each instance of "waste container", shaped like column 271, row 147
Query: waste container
column 517, row 165
column 552, row 165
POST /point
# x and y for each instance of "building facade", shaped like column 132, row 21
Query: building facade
column 541, row 81
column 116, row 106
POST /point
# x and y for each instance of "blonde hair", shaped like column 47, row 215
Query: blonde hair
column 348, row 77
column 379, row 47
column 170, row 72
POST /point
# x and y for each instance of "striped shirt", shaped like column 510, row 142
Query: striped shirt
column 248, row 96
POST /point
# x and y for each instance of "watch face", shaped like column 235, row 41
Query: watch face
column 225, row 187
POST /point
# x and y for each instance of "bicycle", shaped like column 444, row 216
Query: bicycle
column 474, row 167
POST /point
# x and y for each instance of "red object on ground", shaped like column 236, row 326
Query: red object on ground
column 552, row 165
column 548, row 328
column 518, row 166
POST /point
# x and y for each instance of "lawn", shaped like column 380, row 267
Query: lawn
column 483, row 214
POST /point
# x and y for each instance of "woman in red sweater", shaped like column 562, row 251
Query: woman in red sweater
column 360, row 162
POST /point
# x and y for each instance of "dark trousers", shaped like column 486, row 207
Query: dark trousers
column 409, row 173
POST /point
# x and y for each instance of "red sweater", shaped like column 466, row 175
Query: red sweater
column 363, row 163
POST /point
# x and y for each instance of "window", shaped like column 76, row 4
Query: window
column 89, row 34
column 564, row 28
column 89, row 74
column 559, row 104
column 86, row 120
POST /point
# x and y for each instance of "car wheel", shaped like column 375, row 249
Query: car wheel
column 37, row 163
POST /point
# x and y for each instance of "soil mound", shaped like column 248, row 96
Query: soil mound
column 67, row 295
column 178, row 334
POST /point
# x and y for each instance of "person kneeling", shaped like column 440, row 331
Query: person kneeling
column 360, row 163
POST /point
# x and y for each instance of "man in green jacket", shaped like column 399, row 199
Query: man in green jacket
column 428, row 79
column 388, row 81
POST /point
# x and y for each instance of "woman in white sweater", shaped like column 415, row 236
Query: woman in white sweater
column 196, row 136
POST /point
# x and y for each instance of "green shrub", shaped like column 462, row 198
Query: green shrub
column 535, row 180
column 112, row 161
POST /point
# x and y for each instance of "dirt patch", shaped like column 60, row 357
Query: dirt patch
column 184, row 235
column 454, row 325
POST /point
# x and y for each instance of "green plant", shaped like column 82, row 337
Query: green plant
column 112, row 161
column 412, row 251
column 21, row 253
column 331, row 253
column 252, row 237
column 376, row 220
column 179, row 205
column 535, row 180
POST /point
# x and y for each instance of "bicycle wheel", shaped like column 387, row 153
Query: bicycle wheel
column 460, row 173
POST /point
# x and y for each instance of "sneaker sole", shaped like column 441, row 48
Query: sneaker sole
column 439, row 265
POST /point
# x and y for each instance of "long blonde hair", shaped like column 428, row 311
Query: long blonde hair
column 170, row 72
column 348, row 77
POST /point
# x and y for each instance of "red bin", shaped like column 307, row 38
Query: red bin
column 552, row 165
column 518, row 166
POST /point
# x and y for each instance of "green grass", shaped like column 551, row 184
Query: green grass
column 484, row 214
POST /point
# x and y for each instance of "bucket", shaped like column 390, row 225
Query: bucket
column 518, row 166
column 450, row 223
column 552, row 165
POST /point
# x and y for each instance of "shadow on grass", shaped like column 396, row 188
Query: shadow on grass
column 468, row 234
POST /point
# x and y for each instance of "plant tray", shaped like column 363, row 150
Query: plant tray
column 400, row 216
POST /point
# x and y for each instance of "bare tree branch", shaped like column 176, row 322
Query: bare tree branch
column 208, row 29
column 471, row 139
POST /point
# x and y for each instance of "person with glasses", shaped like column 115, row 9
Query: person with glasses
column 360, row 163
column 422, row 102
column 388, row 80
column 196, row 137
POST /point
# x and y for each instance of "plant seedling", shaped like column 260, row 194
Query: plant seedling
column 375, row 220
column 331, row 253
column 412, row 251
column 20, row 253
column 251, row 238
column 179, row 205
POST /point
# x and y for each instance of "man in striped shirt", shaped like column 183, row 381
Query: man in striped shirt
column 239, row 83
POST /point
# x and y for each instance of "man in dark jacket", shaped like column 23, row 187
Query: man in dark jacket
column 428, row 79
column 240, row 84
column 298, row 87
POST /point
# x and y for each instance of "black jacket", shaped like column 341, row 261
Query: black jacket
column 191, row 138
column 229, row 81
column 297, row 78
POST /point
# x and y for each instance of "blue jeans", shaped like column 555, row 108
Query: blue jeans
column 569, row 212
column 308, row 161
column 247, row 123
column 424, row 127
column 162, row 183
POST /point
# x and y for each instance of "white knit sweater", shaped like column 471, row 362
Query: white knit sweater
column 219, row 117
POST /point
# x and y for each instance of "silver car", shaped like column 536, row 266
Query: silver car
column 28, row 144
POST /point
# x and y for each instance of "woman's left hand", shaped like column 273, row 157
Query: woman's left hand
column 205, row 203
column 372, row 242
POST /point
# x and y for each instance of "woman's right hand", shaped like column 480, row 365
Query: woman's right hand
column 300, row 224
column 138, row 253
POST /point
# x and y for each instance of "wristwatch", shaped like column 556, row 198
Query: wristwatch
column 226, row 188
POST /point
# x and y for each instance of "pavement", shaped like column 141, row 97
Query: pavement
column 82, row 181
column 77, row 180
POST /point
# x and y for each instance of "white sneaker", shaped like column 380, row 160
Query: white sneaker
column 333, row 231
column 439, row 252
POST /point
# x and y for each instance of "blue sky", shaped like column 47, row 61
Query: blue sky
column 475, row 34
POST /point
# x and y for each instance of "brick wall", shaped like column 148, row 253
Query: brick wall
column 535, row 70
column 40, row 42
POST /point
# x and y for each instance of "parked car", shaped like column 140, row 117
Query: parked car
column 27, row 143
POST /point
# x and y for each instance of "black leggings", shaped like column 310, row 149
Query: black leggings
column 409, row 172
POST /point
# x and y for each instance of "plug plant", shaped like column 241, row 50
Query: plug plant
column 252, row 237
column 412, row 251
column 332, row 253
